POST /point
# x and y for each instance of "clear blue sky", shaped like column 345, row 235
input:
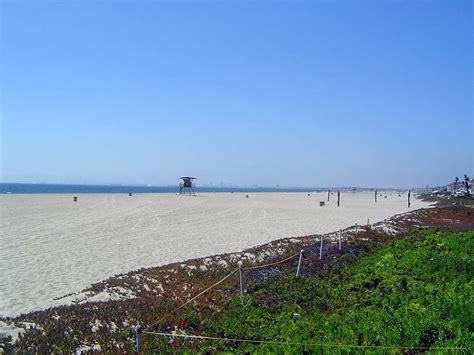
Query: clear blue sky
column 322, row 93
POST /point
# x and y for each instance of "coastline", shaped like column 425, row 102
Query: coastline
column 160, row 289
column 79, row 244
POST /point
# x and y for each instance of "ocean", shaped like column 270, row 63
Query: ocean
column 16, row 188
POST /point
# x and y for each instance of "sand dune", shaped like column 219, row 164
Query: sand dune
column 51, row 246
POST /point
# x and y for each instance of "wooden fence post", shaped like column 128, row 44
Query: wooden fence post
column 408, row 198
column 299, row 263
column 338, row 198
column 329, row 192
column 138, row 339
column 375, row 195
column 340, row 239
column 241, row 274
column 321, row 249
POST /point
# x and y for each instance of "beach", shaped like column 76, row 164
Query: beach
column 52, row 246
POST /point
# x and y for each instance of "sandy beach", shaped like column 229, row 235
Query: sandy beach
column 52, row 246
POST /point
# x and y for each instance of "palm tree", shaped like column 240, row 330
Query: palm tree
column 466, row 181
column 455, row 185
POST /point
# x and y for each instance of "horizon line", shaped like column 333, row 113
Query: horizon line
column 248, row 186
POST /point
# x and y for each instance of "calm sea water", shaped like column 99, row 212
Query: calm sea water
column 61, row 189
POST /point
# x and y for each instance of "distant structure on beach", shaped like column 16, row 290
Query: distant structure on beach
column 186, row 185
column 457, row 188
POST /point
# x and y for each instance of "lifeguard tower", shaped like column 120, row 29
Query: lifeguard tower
column 186, row 186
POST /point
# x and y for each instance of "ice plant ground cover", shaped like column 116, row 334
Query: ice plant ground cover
column 416, row 292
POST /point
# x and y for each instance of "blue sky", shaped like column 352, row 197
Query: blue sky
column 345, row 93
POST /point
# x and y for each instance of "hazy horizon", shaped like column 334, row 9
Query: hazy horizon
column 366, row 94
column 225, row 186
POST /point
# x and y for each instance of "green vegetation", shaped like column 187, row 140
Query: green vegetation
column 416, row 292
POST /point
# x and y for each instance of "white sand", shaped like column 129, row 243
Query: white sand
column 51, row 246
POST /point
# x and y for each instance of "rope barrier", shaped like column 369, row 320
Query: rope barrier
column 214, row 285
column 276, row 342
column 192, row 299
column 271, row 264
column 145, row 331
